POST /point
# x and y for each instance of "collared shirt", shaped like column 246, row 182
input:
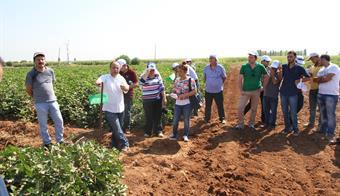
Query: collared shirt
column 131, row 78
column 252, row 77
column 115, row 94
column 314, row 70
column 214, row 78
column 289, row 76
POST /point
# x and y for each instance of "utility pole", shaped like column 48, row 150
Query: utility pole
column 68, row 52
column 59, row 56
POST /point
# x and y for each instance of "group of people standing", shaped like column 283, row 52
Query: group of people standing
column 287, row 81
column 263, row 81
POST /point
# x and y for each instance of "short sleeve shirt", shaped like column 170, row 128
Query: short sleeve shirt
column 252, row 77
column 331, row 87
column 115, row 94
column 42, row 85
column 214, row 78
column 289, row 76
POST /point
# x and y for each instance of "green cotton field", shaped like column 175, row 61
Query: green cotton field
column 76, row 82
column 73, row 86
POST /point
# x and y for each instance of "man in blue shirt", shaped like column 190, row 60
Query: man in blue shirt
column 214, row 77
column 290, row 74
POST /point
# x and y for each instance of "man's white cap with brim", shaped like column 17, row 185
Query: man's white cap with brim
column 266, row 58
column 174, row 65
column 300, row 60
column 311, row 55
column 121, row 62
column 275, row 64
column 253, row 53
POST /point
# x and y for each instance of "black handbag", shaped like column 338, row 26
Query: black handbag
column 194, row 99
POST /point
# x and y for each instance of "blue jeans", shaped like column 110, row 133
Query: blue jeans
column 328, row 113
column 184, row 110
column 270, row 110
column 289, row 109
column 313, row 103
column 52, row 109
column 115, row 121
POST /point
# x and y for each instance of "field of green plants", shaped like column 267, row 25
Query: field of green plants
column 73, row 86
column 76, row 82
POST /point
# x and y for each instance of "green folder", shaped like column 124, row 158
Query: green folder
column 171, row 77
column 95, row 99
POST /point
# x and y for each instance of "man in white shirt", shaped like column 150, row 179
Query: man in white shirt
column 328, row 78
column 115, row 86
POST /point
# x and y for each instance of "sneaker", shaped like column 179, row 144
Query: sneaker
column 173, row 137
column 239, row 127
column 125, row 149
column 47, row 146
column 296, row 133
column 185, row 138
column 251, row 126
column 160, row 134
column 223, row 122
column 146, row 135
column 332, row 140
column 286, row 131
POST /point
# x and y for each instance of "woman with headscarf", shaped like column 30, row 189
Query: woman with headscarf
column 154, row 99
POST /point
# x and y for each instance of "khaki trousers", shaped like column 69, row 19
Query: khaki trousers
column 254, row 97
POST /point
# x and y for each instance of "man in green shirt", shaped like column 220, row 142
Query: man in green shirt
column 251, row 75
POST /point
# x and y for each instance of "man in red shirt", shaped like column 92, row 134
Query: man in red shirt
column 131, row 78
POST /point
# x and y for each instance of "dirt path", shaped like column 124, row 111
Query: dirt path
column 219, row 160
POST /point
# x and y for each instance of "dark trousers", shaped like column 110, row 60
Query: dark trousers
column 195, row 108
column 300, row 101
column 128, row 102
column 153, row 112
column 218, row 97
column 248, row 106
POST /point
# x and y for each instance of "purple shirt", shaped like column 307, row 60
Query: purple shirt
column 214, row 78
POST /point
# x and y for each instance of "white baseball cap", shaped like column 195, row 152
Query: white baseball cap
column 121, row 62
column 38, row 54
column 313, row 54
column 275, row 64
column 188, row 59
column 266, row 58
column 253, row 53
column 174, row 65
column 151, row 66
column 300, row 60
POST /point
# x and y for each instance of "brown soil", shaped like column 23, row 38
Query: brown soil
column 218, row 160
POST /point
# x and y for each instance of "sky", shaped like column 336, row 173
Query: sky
column 105, row 29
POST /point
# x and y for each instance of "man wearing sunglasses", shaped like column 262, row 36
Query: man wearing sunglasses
column 250, row 83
